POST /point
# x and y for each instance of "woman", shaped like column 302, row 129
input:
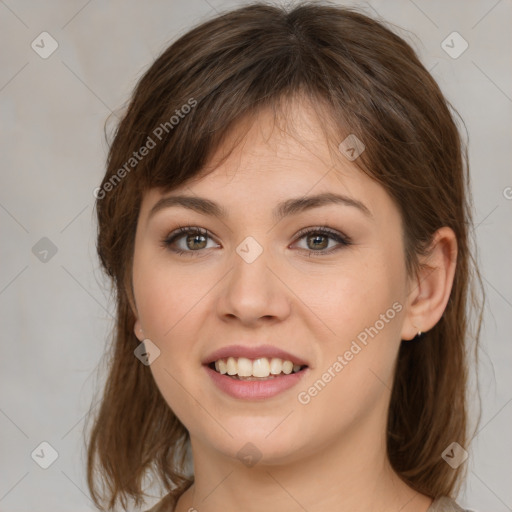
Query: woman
column 285, row 216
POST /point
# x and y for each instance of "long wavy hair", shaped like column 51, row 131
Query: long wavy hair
column 363, row 79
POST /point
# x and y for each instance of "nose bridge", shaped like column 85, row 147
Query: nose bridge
column 252, row 291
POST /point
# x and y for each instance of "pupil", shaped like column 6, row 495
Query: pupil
column 190, row 246
column 316, row 238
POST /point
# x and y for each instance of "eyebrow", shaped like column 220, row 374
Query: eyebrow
column 289, row 207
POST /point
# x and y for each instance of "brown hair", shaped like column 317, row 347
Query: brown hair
column 362, row 79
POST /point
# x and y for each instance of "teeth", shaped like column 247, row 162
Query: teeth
column 261, row 367
column 244, row 367
column 232, row 366
column 287, row 367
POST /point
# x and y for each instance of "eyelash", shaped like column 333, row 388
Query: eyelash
column 322, row 230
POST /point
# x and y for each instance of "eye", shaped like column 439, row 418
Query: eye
column 194, row 239
column 318, row 239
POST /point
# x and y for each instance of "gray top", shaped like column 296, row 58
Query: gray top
column 445, row 504
column 442, row 504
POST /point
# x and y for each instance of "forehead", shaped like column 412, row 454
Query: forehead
column 272, row 159
column 297, row 131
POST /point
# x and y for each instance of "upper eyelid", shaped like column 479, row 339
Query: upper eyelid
column 325, row 230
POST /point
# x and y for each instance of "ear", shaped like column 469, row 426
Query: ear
column 429, row 290
column 137, row 327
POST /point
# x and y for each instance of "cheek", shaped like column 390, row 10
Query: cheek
column 355, row 295
column 362, row 305
column 167, row 301
column 165, row 294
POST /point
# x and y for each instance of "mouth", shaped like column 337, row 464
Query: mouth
column 258, row 369
column 254, row 372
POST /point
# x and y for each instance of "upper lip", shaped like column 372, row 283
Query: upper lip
column 252, row 352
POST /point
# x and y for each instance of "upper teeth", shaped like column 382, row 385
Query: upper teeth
column 261, row 367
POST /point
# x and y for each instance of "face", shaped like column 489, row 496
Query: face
column 321, row 283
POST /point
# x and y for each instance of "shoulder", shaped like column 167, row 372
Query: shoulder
column 442, row 504
column 445, row 504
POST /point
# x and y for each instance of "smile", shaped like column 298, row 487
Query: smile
column 243, row 368
column 250, row 387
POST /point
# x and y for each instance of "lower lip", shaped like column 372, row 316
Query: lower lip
column 254, row 389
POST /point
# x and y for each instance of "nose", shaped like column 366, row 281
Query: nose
column 253, row 292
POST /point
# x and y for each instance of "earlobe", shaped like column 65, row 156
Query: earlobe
column 432, row 287
column 137, row 329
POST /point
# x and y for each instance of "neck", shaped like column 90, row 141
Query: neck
column 347, row 475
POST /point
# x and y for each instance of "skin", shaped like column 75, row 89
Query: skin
column 328, row 454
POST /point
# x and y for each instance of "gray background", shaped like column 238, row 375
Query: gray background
column 55, row 308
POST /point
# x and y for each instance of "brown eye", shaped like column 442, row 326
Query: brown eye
column 195, row 239
column 317, row 240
